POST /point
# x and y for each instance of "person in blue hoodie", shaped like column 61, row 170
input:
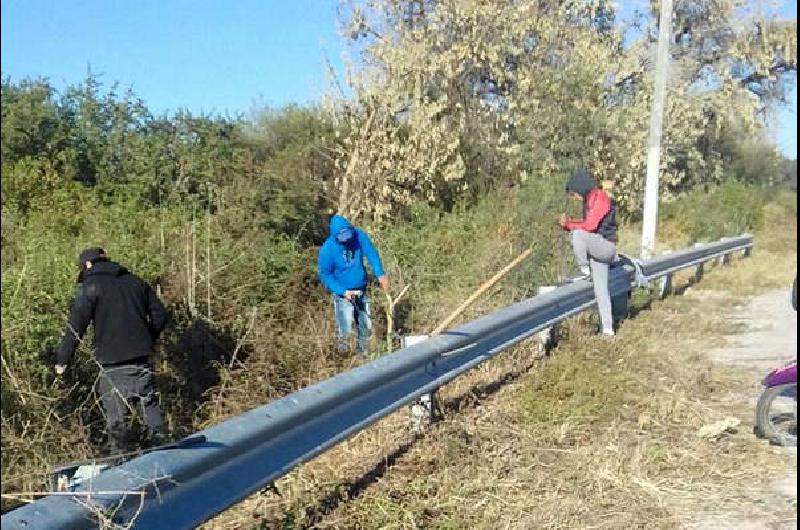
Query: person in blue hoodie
column 341, row 270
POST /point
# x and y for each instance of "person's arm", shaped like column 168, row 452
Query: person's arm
column 326, row 268
column 80, row 317
column 373, row 258
column 156, row 311
column 597, row 207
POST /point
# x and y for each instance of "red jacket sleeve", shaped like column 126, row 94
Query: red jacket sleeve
column 597, row 206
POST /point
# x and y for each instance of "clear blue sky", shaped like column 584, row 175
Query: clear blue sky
column 786, row 134
column 207, row 56
column 217, row 56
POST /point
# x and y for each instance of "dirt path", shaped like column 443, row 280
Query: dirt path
column 768, row 335
column 767, row 339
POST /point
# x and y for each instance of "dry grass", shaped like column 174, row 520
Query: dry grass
column 603, row 434
column 54, row 430
column 775, row 258
column 599, row 437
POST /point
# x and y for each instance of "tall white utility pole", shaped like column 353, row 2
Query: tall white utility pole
column 650, row 214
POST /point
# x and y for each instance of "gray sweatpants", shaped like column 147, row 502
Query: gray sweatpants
column 594, row 252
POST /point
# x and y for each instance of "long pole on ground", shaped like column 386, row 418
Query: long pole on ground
column 650, row 215
column 482, row 289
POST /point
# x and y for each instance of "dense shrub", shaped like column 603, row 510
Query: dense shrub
column 223, row 216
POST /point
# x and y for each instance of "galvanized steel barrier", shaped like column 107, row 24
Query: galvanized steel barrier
column 181, row 488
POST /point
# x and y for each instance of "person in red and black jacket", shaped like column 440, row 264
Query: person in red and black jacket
column 594, row 238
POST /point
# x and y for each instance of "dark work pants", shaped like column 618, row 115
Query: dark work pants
column 124, row 389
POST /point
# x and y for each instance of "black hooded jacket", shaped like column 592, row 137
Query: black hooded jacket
column 599, row 210
column 128, row 316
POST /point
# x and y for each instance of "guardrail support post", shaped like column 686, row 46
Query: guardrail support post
column 426, row 409
column 546, row 338
column 665, row 286
column 746, row 252
column 424, row 412
column 665, row 282
column 620, row 302
column 620, row 306
column 725, row 258
column 698, row 273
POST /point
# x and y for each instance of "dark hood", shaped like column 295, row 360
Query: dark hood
column 107, row 267
column 580, row 182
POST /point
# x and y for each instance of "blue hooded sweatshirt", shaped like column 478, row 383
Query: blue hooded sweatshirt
column 341, row 265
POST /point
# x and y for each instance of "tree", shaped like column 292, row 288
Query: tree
column 452, row 96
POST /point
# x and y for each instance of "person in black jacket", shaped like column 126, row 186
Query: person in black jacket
column 128, row 317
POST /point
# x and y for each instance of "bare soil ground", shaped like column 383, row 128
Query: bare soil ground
column 766, row 338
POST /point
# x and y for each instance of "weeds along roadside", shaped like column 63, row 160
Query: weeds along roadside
column 240, row 353
column 583, row 405
column 596, row 436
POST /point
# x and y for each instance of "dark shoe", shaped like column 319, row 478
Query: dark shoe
column 156, row 439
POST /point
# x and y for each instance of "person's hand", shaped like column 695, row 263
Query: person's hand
column 349, row 295
column 563, row 219
column 384, row 281
column 60, row 368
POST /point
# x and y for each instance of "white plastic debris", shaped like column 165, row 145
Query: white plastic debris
column 715, row 430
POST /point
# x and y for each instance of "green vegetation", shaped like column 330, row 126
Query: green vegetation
column 452, row 152
column 599, row 433
column 565, row 390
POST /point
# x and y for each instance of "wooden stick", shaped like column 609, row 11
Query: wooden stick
column 474, row 296
column 390, row 315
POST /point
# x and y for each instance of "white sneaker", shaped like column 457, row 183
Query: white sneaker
column 608, row 332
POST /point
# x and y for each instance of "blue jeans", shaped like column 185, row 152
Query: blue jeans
column 347, row 312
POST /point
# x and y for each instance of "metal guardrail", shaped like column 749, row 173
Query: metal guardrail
column 181, row 488
column 693, row 256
